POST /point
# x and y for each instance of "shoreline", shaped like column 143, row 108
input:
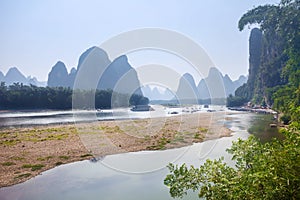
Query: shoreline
column 28, row 151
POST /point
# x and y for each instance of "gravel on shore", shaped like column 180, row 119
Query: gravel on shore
column 26, row 152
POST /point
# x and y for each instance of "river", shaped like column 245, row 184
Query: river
column 134, row 176
column 45, row 117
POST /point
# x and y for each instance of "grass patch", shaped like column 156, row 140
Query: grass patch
column 147, row 137
column 18, row 158
column 164, row 140
column 56, row 136
column 53, row 129
column 27, row 166
column 26, row 175
column 44, row 158
column 198, row 137
column 11, row 142
column 203, row 130
column 42, row 135
column 8, row 163
column 64, row 157
column 178, row 138
column 86, row 155
column 33, row 167
column 5, row 135
column 37, row 167
column 109, row 129
column 186, row 133
column 161, row 144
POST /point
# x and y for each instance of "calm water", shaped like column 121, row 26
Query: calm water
column 45, row 117
column 131, row 176
column 259, row 128
column 29, row 118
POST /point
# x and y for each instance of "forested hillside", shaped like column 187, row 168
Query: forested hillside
column 274, row 62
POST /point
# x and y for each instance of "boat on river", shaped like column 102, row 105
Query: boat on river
column 141, row 108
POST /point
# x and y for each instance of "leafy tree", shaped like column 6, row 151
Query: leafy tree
column 103, row 98
column 235, row 101
column 136, row 99
column 262, row 171
column 3, row 89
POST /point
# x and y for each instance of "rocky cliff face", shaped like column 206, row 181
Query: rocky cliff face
column 255, row 52
column 266, row 60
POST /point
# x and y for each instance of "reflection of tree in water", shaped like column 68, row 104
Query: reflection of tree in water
column 260, row 127
column 96, row 159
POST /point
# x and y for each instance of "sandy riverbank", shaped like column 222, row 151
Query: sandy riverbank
column 26, row 152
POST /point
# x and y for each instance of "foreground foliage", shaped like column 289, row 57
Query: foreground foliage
column 262, row 171
column 235, row 101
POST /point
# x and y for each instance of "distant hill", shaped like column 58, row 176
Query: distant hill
column 121, row 77
column 215, row 85
column 118, row 75
column 156, row 94
column 1, row 76
column 58, row 75
column 187, row 91
column 15, row 76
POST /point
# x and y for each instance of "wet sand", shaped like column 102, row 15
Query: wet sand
column 26, row 152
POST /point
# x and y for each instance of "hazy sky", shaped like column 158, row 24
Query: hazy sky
column 36, row 34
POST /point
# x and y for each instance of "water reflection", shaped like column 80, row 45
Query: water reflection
column 94, row 180
column 45, row 117
column 260, row 127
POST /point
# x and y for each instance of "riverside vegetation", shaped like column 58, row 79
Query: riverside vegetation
column 19, row 96
column 263, row 170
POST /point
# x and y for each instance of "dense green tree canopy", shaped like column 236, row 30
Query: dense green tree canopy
column 280, row 57
column 235, row 101
column 19, row 96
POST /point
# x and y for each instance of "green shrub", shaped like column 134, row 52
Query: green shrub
column 285, row 119
column 8, row 163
